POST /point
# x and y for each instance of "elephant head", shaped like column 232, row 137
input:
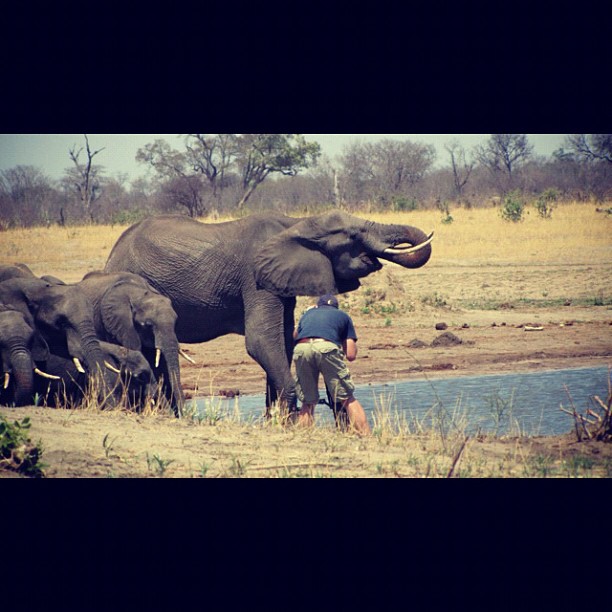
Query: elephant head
column 138, row 384
column 130, row 313
column 20, row 347
column 64, row 317
column 331, row 252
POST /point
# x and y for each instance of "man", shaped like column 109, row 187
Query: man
column 325, row 335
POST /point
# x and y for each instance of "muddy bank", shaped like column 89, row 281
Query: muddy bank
column 405, row 351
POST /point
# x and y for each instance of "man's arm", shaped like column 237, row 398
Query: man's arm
column 350, row 349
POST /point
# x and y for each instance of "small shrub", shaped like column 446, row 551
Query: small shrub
column 444, row 208
column 546, row 203
column 158, row 464
column 17, row 453
column 513, row 207
column 436, row 300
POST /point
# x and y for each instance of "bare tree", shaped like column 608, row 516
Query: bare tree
column 462, row 169
column 503, row 155
column 180, row 183
column 386, row 170
column 212, row 156
column 588, row 147
column 26, row 197
column 85, row 177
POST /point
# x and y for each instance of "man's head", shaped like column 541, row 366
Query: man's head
column 328, row 300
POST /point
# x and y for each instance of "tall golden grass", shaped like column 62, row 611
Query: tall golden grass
column 575, row 234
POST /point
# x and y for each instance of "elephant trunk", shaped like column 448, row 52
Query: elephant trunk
column 84, row 345
column 23, row 376
column 169, row 348
column 404, row 245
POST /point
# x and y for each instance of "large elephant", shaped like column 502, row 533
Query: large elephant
column 21, row 346
column 64, row 316
column 243, row 276
column 134, row 381
column 129, row 312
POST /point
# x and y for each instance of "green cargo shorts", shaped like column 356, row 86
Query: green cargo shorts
column 326, row 358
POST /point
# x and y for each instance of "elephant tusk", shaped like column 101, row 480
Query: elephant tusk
column 409, row 249
column 78, row 365
column 157, row 357
column 183, row 354
column 112, row 368
column 45, row 375
column 7, row 378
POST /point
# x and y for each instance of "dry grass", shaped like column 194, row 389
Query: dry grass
column 68, row 253
column 122, row 444
column 575, row 234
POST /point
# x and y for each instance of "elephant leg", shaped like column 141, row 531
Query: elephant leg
column 266, row 343
column 271, row 395
column 280, row 385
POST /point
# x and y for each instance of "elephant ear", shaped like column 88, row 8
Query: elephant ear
column 116, row 312
column 289, row 265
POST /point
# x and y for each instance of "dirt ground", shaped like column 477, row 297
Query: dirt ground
column 490, row 343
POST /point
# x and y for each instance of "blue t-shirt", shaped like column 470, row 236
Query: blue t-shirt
column 326, row 322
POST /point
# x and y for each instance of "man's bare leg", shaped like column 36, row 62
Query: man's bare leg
column 306, row 415
column 357, row 417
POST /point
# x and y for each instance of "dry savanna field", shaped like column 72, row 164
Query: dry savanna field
column 488, row 280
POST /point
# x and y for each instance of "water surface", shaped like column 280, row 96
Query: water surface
column 526, row 403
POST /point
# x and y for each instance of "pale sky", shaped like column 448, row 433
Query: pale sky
column 49, row 152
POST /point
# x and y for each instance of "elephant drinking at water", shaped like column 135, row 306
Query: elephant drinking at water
column 127, row 311
column 243, row 276
column 64, row 386
column 21, row 346
column 63, row 315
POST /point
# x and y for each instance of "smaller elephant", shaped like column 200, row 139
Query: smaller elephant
column 129, row 312
column 135, row 383
column 21, row 347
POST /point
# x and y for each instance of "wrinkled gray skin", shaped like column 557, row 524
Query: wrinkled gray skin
column 243, row 276
column 20, row 347
column 18, row 270
column 129, row 312
column 64, row 317
column 134, row 385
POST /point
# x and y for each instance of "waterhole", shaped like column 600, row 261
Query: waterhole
column 523, row 404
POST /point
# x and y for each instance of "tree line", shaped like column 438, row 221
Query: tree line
column 232, row 174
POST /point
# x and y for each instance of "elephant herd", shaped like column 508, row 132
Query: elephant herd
column 110, row 334
column 172, row 279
